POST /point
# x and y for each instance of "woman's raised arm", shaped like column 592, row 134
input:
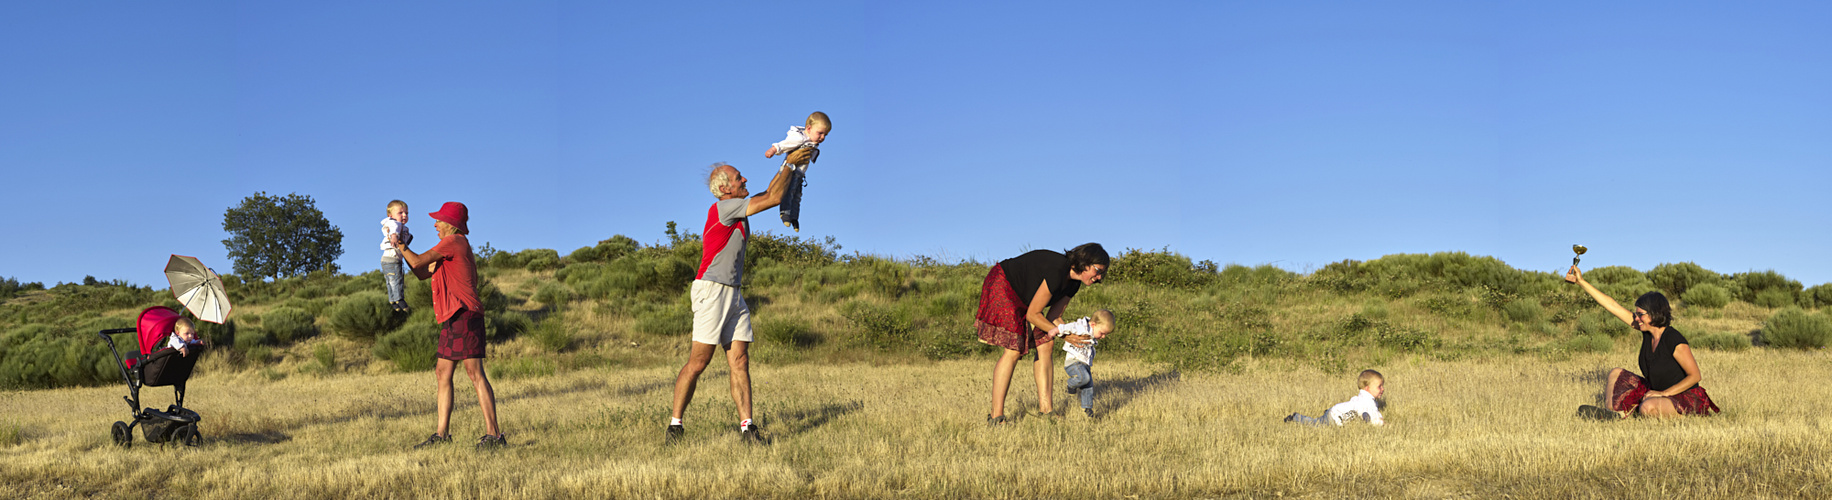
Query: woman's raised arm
column 1608, row 302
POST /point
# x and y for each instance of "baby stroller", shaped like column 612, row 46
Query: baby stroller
column 155, row 365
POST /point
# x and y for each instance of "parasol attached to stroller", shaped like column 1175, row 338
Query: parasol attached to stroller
column 201, row 292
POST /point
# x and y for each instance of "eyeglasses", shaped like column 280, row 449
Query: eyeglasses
column 1640, row 314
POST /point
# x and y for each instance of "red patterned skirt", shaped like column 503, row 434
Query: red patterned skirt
column 461, row 337
column 1001, row 318
column 1627, row 393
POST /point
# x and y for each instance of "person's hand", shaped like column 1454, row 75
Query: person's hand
column 771, row 152
column 432, row 266
column 1077, row 340
column 184, row 351
column 394, row 239
column 1574, row 276
column 800, row 156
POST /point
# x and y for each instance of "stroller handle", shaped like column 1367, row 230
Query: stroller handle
column 114, row 331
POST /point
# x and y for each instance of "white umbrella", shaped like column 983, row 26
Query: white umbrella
column 198, row 288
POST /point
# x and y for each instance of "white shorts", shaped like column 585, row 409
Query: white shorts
column 720, row 316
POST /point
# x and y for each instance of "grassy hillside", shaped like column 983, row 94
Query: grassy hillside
column 623, row 304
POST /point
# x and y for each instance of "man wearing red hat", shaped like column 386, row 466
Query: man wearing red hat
column 453, row 270
column 720, row 316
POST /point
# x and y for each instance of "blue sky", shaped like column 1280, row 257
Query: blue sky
column 1290, row 133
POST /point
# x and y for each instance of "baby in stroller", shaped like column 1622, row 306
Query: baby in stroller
column 167, row 339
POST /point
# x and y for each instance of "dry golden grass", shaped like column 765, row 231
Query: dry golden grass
column 1472, row 428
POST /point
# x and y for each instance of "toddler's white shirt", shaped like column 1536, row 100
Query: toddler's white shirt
column 1084, row 355
column 796, row 138
column 1357, row 408
column 390, row 226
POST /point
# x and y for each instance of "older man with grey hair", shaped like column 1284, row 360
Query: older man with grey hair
column 720, row 316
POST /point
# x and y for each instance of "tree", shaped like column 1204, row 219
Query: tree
column 280, row 236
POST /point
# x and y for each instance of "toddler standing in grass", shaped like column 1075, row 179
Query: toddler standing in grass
column 1079, row 362
column 808, row 136
column 394, row 228
column 1364, row 407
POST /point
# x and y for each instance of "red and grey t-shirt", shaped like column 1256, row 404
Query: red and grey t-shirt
column 727, row 229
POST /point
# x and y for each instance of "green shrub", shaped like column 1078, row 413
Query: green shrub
column 363, row 315
column 1821, row 295
column 1158, row 268
column 552, row 334
column 218, row 334
column 787, row 332
column 1590, row 343
column 1796, row 328
column 1677, row 279
column 1754, row 283
column 326, row 358
column 878, row 327
column 1706, row 295
column 1263, row 274
column 371, row 280
column 419, row 294
column 540, row 259
column 674, row 275
column 665, row 321
column 1775, row 297
column 258, row 355
column 884, row 276
column 1523, row 311
column 1721, row 341
column 503, row 325
column 1602, row 323
column 789, row 250
column 948, row 304
column 412, row 347
column 287, row 324
column 553, row 294
column 39, row 356
column 251, row 337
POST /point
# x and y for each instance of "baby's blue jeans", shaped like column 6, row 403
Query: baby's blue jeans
column 1080, row 379
column 391, row 277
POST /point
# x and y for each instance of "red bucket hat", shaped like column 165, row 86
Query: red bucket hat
column 453, row 213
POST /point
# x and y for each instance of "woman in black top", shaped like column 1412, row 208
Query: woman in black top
column 1012, row 313
column 1671, row 384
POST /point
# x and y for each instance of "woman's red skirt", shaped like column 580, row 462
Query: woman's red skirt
column 1001, row 318
column 1630, row 389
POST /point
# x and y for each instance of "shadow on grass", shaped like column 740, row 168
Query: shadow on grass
column 643, row 388
column 264, row 437
column 1111, row 396
column 459, row 385
column 801, row 421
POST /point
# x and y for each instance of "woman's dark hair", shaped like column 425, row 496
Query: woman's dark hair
column 1087, row 254
column 1659, row 312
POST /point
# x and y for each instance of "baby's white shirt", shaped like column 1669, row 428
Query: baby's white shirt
column 1084, row 355
column 391, row 226
column 1354, row 409
column 796, row 138
column 174, row 342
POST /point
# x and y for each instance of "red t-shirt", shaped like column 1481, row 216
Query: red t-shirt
column 455, row 282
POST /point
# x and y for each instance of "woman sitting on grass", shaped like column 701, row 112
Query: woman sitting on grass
column 1671, row 387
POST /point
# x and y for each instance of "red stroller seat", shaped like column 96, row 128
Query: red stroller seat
column 159, row 365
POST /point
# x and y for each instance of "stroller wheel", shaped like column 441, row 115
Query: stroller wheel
column 188, row 435
column 122, row 436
